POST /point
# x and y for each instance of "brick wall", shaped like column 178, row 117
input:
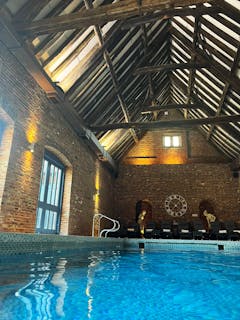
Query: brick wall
column 205, row 175
column 203, row 172
column 37, row 120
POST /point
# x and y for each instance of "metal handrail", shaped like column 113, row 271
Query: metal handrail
column 115, row 227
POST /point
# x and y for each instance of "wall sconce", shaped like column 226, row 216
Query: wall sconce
column 31, row 147
column 96, row 195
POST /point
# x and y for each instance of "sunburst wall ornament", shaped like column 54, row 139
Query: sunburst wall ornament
column 175, row 205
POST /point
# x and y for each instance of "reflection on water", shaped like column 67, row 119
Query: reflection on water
column 50, row 287
column 59, row 282
column 93, row 267
column 36, row 295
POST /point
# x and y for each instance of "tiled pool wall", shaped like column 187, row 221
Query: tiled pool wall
column 182, row 245
column 19, row 243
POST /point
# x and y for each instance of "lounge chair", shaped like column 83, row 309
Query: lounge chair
column 214, row 232
column 199, row 231
column 133, row 230
column 185, row 231
column 150, row 230
column 233, row 230
column 166, row 230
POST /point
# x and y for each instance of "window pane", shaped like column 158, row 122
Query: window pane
column 58, row 186
column 54, row 222
column 50, row 220
column 39, row 217
column 46, row 219
column 50, row 184
column 167, row 141
column 43, row 180
column 176, row 141
column 54, row 185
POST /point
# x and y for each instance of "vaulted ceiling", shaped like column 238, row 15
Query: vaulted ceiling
column 121, row 64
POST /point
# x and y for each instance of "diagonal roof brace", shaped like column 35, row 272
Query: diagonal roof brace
column 96, row 16
column 11, row 40
column 169, row 66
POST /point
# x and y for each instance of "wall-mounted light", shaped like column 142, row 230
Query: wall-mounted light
column 31, row 147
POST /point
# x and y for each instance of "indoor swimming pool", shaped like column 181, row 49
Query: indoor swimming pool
column 128, row 285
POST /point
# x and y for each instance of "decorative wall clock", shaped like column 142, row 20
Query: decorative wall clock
column 175, row 205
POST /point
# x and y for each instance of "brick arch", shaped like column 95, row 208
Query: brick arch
column 207, row 205
column 144, row 205
column 64, row 225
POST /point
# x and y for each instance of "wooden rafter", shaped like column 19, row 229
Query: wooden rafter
column 192, row 60
column 95, row 16
column 30, row 9
column 169, row 13
column 113, row 75
column 214, row 66
column 169, row 66
column 208, row 111
column 166, row 124
column 145, row 46
column 229, row 10
column 172, row 106
column 150, row 82
column 225, row 90
column 15, row 45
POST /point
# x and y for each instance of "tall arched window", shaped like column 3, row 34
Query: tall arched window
column 50, row 195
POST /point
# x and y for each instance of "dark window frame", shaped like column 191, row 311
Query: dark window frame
column 46, row 210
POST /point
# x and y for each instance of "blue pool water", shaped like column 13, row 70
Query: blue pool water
column 122, row 285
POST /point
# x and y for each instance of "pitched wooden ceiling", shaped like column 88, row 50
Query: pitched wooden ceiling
column 122, row 63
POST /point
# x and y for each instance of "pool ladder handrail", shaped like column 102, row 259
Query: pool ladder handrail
column 115, row 227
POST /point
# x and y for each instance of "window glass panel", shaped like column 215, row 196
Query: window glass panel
column 176, row 141
column 167, row 141
column 46, row 219
column 54, row 221
column 50, row 184
column 58, row 187
column 39, row 217
column 54, row 185
column 50, row 220
column 43, row 180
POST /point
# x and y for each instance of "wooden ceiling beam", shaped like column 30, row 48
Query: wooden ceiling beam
column 192, row 72
column 150, row 80
column 172, row 106
column 166, row 124
column 229, row 10
column 208, row 48
column 218, row 70
column 225, row 90
column 209, row 36
column 113, row 75
column 227, row 126
column 11, row 40
column 30, row 9
column 169, row 13
column 96, row 16
column 169, row 66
